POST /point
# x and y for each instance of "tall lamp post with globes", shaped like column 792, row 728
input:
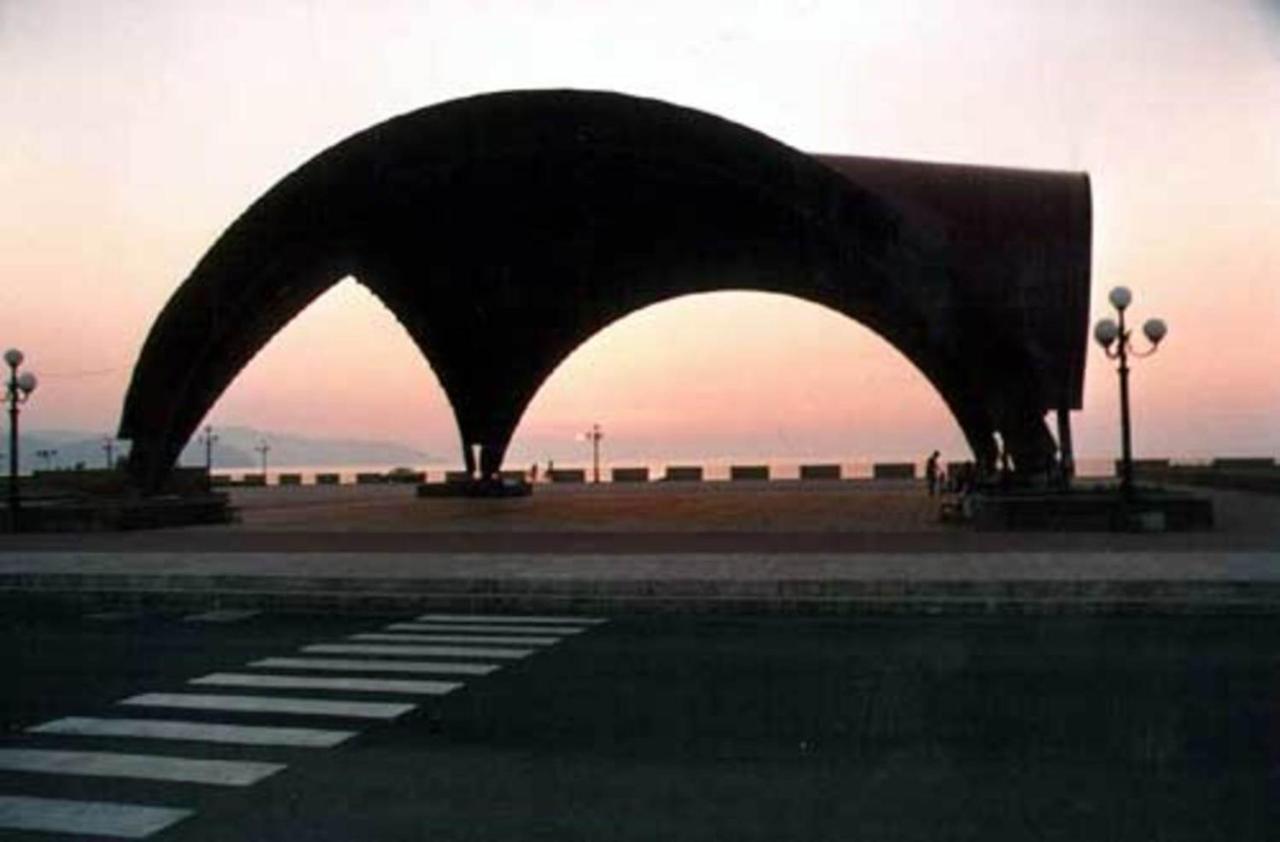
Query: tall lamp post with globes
column 1115, row 338
column 17, row 389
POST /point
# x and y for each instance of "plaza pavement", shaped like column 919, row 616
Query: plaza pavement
column 718, row 547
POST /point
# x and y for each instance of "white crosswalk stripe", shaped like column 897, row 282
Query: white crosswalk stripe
column 505, row 618
column 303, row 682
column 148, row 766
column 455, row 638
column 376, row 665
column 509, row 628
column 411, row 650
column 222, row 615
column 206, row 732
column 272, row 704
column 86, row 818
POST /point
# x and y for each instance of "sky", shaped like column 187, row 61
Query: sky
column 134, row 133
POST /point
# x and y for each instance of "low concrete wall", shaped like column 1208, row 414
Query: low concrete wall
column 328, row 479
column 289, row 479
column 894, row 470
column 567, row 475
column 1259, row 475
column 1239, row 463
column 371, row 479
column 821, row 472
column 457, row 476
column 629, row 475
column 406, row 477
column 1256, row 481
column 253, row 480
column 683, row 473
column 748, row 472
column 103, row 481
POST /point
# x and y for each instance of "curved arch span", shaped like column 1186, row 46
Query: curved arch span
column 504, row 230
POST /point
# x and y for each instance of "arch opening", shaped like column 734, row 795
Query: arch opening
column 737, row 374
column 343, row 374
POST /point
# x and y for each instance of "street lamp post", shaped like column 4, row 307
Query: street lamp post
column 109, row 448
column 263, row 448
column 18, row 389
column 594, row 435
column 209, row 439
column 1115, row 338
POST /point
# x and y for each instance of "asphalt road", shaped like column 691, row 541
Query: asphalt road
column 644, row 728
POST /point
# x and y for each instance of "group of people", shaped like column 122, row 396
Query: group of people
column 960, row 480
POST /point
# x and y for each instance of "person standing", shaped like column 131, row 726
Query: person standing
column 931, row 473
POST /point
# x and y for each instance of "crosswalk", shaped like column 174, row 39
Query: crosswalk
column 401, row 664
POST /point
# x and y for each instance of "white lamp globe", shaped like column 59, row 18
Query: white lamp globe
column 1120, row 297
column 27, row 382
column 1105, row 332
column 13, row 357
column 1155, row 329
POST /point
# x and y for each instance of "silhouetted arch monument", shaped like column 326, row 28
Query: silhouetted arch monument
column 504, row 230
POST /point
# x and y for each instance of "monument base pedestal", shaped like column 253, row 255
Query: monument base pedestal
column 117, row 514
column 476, row 488
column 1084, row 510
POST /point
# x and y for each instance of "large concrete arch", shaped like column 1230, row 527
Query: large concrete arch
column 504, row 230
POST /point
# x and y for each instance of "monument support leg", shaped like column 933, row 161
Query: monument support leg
column 469, row 459
column 1066, row 449
column 491, row 460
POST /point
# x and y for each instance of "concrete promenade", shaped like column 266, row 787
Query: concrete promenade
column 845, row 548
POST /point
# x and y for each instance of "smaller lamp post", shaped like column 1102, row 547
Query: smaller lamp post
column 50, row 457
column 109, row 448
column 594, row 435
column 263, row 448
column 1114, row 338
column 18, row 389
column 209, row 438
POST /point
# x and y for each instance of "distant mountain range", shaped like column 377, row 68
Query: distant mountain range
column 233, row 448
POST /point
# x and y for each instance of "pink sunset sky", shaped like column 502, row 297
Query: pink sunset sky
column 134, row 133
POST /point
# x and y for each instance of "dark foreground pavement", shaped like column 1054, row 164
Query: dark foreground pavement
column 649, row 727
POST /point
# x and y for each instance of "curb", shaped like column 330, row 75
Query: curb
column 586, row 596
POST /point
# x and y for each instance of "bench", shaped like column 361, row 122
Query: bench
column 748, row 472
column 820, row 472
column 683, row 473
column 629, row 475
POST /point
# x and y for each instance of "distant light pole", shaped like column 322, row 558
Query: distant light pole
column 594, row 436
column 17, row 390
column 1109, row 333
column 49, row 457
column 109, row 448
column 263, row 448
column 208, row 439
